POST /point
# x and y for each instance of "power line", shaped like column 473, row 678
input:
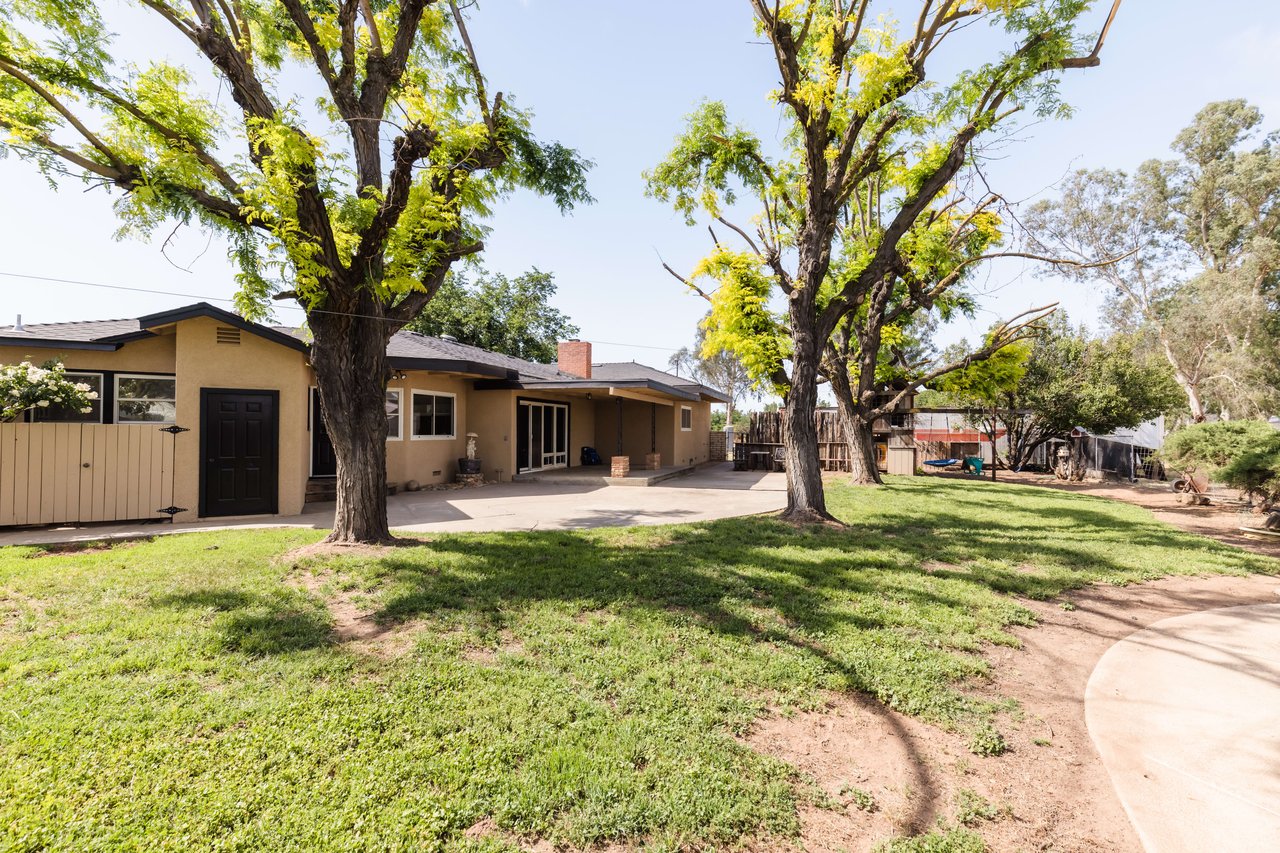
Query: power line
column 156, row 292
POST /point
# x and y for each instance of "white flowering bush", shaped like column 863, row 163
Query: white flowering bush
column 27, row 386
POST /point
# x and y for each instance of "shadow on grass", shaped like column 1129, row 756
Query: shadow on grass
column 898, row 605
column 255, row 624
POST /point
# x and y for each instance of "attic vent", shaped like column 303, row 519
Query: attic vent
column 228, row 336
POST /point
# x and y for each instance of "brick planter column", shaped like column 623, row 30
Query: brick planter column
column 652, row 461
column 619, row 466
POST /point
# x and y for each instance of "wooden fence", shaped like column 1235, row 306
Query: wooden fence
column 63, row 473
column 765, row 433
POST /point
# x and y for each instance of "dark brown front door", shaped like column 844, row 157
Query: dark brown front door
column 239, row 438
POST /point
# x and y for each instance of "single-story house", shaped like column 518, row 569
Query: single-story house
column 201, row 413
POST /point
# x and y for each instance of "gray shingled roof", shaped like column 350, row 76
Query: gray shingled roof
column 83, row 330
column 412, row 345
column 622, row 370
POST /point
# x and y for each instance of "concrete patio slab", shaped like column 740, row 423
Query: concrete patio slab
column 706, row 494
column 1186, row 717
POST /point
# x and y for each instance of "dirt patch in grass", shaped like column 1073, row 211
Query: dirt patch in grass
column 94, row 546
column 1219, row 520
column 353, row 624
column 324, row 550
column 1048, row 792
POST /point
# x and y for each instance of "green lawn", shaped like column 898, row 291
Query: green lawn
column 187, row 693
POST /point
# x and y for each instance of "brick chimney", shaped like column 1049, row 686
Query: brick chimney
column 574, row 358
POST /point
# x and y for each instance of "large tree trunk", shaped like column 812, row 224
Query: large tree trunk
column 1189, row 388
column 349, row 355
column 863, row 470
column 806, row 503
column 1078, row 462
column 864, row 467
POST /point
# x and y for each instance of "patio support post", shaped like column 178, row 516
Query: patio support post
column 653, row 460
column 618, row 408
column 619, row 465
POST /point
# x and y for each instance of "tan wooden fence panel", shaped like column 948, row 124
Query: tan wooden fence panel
column 63, row 473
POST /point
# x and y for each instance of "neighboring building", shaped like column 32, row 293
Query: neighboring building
column 254, row 439
column 952, row 434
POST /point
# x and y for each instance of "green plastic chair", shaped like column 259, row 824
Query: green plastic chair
column 973, row 464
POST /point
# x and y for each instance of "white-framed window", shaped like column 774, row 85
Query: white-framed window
column 686, row 418
column 395, row 415
column 142, row 399
column 66, row 414
column 434, row 415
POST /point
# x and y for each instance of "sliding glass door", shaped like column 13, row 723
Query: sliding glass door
column 542, row 436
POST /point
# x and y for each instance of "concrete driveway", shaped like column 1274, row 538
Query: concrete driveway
column 708, row 493
column 1186, row 717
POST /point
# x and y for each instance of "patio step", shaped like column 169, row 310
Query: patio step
column 322, row 489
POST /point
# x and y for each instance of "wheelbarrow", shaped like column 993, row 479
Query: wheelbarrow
column 1192, row 489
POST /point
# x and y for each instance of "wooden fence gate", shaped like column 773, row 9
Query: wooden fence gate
column 69, row 473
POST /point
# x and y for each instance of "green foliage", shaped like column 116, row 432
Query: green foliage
column 741, row 420
column 695, row 175
column 1244, row 455
column 972, row 808
column 511, row 316
column 717, row 367
column 1068, row 380
column 860, row 187
column 25, row 386
column 312, row 203
column 741, row 321
column 586, row 687
column 942, row 840
column 985, row 382
column 987, row 741
column 1102, row 385
column 861, row 799
column 1197, row 243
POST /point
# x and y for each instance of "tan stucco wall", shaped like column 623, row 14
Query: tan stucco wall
column 254, row 364
column 493, row 417
column 151, row 355
column 692, row 447
column 428, row 460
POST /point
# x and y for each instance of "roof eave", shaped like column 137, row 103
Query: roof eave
column 58, row 343
column 204, row 309
column 605, row 384
column 449, row 365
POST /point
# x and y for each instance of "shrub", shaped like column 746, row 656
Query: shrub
column 987, row 741
column 25, row 386
column 1244, row 455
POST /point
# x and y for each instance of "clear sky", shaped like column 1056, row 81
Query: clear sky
column 614, row 79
